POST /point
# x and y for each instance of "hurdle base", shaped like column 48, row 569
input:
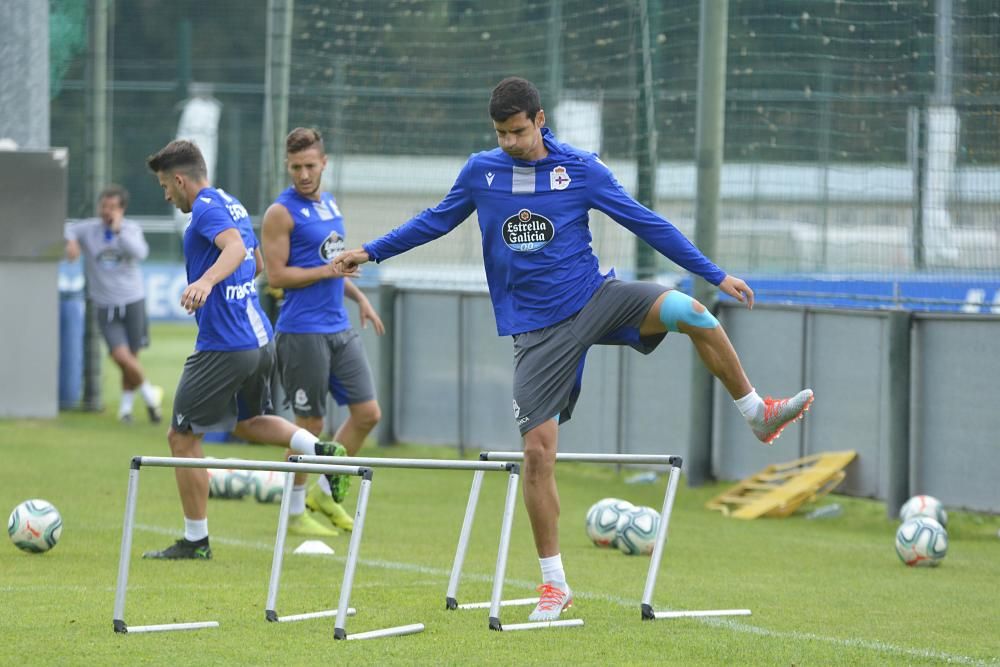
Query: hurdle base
column 398, row 631
column 648, row 614
column 270, row 616
column 451, row 604
column 541, row 625
column 503, row 603
column 123, row 628
column 326, row 613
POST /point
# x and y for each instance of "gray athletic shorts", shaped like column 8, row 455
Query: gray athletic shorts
column 125, row 325
column 218, row 389
column 548, row 362
column 312, row 364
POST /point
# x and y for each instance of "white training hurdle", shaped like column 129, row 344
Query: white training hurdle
column 648, row 613
column 343, row 610
column 480, row 468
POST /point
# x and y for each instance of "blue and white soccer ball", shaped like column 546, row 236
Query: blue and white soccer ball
column 921, row 542
column 225, row 483
column 924, row 506
column 602, row 520
column 268, row 486
column 35, row 526
column 635, row 532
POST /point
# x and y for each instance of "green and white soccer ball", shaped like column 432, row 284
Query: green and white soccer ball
column 921, row 542
column 602, row 520
column 635, row 532
column 268, row 486
column 923, row 505
column 225, row 483
column 35, row 526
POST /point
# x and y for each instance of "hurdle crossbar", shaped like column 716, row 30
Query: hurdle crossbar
column 136, row 464
column 674, row 463
column 480, row 468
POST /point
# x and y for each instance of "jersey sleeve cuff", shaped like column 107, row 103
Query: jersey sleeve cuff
column 369, row 248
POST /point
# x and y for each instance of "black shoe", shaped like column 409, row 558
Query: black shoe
column 338, row 483
column 183, row 549
column 155, row 414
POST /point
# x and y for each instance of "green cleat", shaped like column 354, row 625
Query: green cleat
column 338, row 483
column 304, row 525
column 318, row 501
column 183, row 549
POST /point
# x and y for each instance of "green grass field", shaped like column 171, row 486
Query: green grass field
column 828, row 592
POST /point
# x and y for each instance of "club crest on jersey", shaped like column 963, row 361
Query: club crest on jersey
column 527, row 231
column 559, row 179
column 331, row 246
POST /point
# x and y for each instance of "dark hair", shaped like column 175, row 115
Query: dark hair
column 179, row 155
column 512, row 96
column 302, row 138
column 115, row 190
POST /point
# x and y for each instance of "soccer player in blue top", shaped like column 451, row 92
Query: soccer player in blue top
column 318, row 351
column 225, row 384
column 533, row 195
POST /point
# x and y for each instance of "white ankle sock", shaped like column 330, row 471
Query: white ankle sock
column 297, row 503
column 304, row 442
column 148, row 394
column 128, row 399
column 750, row 406
column 552, row 569
column 195, row 529
column 324, row 485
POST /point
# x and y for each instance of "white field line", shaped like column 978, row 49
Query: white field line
column 736, row 626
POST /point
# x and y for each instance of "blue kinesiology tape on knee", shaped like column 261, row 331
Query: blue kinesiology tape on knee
column 679, row 307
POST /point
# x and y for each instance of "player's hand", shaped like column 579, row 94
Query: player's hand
column 350, row 261
column 738, row 289
column 368, row 314
column 195, row 295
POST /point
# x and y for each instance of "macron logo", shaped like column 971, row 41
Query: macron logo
column 237, row 292
column 304, row 211
column 489, row 179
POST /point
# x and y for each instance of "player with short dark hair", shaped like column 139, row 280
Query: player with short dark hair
column 318, row 351
column 113, row 248
column 225, row 385
column 533, row 195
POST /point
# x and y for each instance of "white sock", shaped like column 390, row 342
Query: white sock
column 297, row 503
column 128, row 399
column 148, row 393
column 324, row 485
column 304, row 442
column 552, row 569
column 750, row 406
column 195, row 529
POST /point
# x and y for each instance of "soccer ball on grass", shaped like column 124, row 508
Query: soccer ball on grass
column 635, row 532
column 921, row 542
column 922, row 505
column 35, row 526
column 268, row 486
column 602, row 520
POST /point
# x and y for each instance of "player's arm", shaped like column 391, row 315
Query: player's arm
column 258, row 262
column 72, row 244
column 365, row 309
column 233, row 254
column 608, row 196
column 275, row 238
column 132, row 241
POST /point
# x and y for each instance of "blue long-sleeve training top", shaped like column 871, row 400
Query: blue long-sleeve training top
column 534, row 220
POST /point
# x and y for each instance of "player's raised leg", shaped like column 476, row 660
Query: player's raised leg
column 767, row 417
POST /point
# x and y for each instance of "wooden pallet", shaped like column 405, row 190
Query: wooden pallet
column 781, row 488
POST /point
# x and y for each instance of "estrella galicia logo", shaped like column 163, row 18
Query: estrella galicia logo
column 527, row 231
column 332, row 246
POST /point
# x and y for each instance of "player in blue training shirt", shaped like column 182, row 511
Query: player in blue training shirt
column 318, row 351
column 225, row 384
column 533, row 195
